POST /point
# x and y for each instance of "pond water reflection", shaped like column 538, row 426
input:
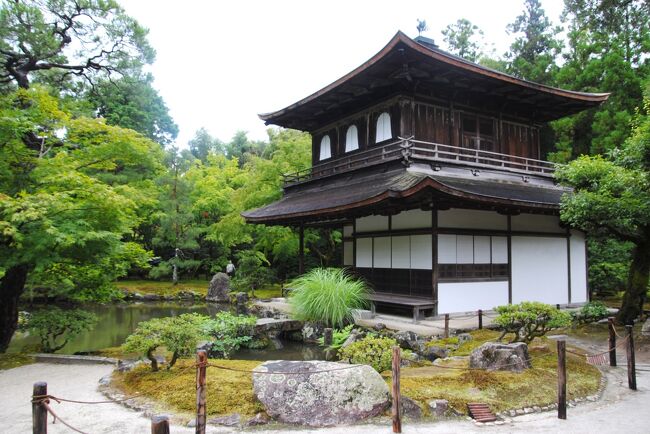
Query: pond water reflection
column 117, row 321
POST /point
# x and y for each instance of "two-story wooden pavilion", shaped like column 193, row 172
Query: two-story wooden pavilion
column 432, row 165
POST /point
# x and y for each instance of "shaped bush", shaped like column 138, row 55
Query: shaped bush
column 327, row 295
column 529, row 320
column 374, row 351
column 56, row 327
column 590, row 312
column 230, row 332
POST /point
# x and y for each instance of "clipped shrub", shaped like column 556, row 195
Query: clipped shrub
column 56, row 327
column 374, row 351
column 230, row 332
column 529, row 319
column 180, row 335
column 327, row 295
column 590, row 312
column 338, row 337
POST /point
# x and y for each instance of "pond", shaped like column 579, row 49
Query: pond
column 117, row 321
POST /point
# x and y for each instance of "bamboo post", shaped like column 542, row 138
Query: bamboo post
column 160, row 425
column 446, row 325
column 397, row 419
column 561, row 379
column 327, row 337
column 39, row 412
column 612, row 341
column 631, row 365
column 201, row 360
column 480, row 319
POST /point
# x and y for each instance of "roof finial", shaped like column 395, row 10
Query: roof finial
column 422, row 26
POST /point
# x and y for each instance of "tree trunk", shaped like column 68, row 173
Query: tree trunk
column 12, row 286
column 637, row 284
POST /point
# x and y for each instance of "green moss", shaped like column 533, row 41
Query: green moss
column 479, row 337
column 163, row 288
column 228, row 392
column 269, row 291
column 14, row 360
column 500, row 390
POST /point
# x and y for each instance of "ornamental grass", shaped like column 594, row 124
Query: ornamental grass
column 327, row 295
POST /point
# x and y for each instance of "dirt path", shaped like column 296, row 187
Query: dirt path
column 620, row 410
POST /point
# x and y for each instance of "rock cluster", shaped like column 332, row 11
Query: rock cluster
column 494, row 356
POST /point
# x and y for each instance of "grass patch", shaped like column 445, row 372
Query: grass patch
column 228, row 392
column 500, row 390
column 479, row 337
column 269, row 291
column 163, row 288
column 14, row 360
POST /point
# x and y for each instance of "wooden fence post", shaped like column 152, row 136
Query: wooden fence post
column 612, row 341
column 631, row 365
column 561, row 379
column 201, row 360
column 39, row 412
column 327, row 337
column 480, row 319
column 160, row 425
column 446, row 325
column 397, row 419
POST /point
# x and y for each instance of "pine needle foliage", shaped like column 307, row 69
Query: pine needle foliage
column 327, row 295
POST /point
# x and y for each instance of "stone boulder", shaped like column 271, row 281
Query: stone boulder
column 494, row 356
column 219, row 289
column 312, row 331
column 433, row 352
column 410, row 408
column 408, row 340
column 336, row 396
column 438, row 407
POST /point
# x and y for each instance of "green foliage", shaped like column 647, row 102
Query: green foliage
column 374, row 351
column 609, row 262
column 464, row 39
column 529, row 319
column 328, row 295
column 56, row 327
column 590, row 312
column 230, row 332
column 252, row 272
column 339, row 336
column 180, row 335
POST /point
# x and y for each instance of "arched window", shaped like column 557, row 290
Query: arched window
column 325, row 148
column 383, row 128
column 352, row 139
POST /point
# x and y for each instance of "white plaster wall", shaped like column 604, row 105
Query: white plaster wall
column 536, row 223
column 499, row 250
column 421, row 252
column 446, row 249
column 578, row 268
column 472, row 219
column 372, row 223
column 401, row 252
column 464, row 249
column 469, row 296
column 412, row 219
column 382, row 252
column 539, row 270
column 482, row 250
column 348, row 253
column 364, row 252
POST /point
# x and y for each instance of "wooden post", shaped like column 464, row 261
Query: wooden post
column 561, row 379
column 160, row 425
column 397, row 419
column 327, row 336
column 612, row 341
column 301, row 250
column 631, row 365
column 39, row 413
column 201, row 360
column 446, row 325
column 480, row 319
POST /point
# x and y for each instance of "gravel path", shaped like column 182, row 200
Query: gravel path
column 620, row 410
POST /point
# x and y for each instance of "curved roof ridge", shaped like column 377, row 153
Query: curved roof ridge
column 441, row 55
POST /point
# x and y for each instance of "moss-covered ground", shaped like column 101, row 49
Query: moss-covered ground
column 231, row 392
column 199, row 286
column 228, row 392
column 14, row 360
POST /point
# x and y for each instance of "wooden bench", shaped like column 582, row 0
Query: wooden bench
column 416, row 303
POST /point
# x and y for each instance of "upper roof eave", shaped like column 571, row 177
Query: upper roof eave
column 445, row 57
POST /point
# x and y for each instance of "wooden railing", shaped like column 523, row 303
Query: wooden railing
column 410, row 150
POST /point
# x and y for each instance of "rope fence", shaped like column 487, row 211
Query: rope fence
column 41, row 400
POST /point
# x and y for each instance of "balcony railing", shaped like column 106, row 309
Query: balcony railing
column 411, row 150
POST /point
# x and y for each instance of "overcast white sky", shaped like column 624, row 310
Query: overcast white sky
column 220, row 63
